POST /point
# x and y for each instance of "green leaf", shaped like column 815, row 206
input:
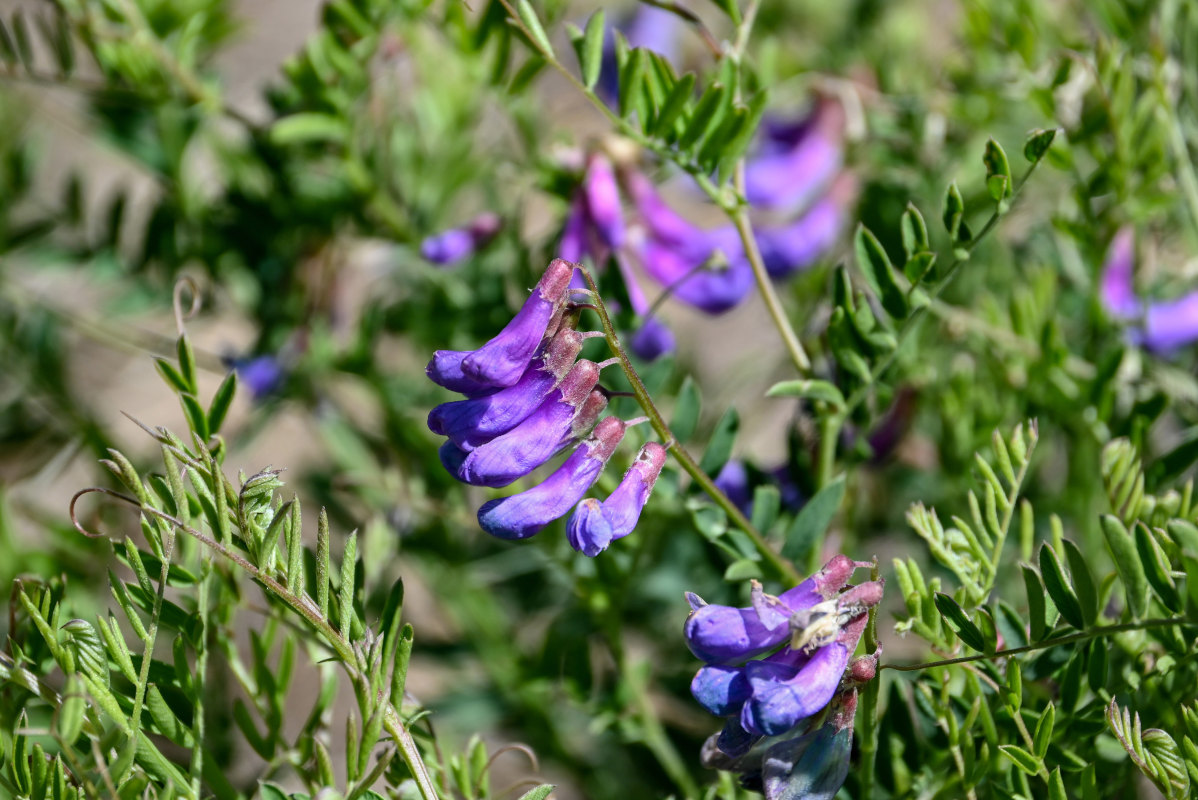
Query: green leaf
column 1043, row 735
column 632, row 84
column 307, row 127
column 914, row 231
column 960, row 622
column 1127, row 563
column 1059, row 589
column 954, row 212
column 813, row 520
column 1037, row 144
column 1056, row 786
column 879, row 272
column 219, row 408
column 1083, row 582
column 707, row 115
column 539, row 793
column 822, row 391
column 1156, row 568
column 196, row 417
column 532, row 24
column 719, row 448
column 686, row 410
column 767, row 501
column 1022, row 758
column 997, row 166
column 345, row 595
column 171, row 375
column 742, row 570
column 590, row 55
column 673, row 106
column 1013, row 687
column 1096, row 664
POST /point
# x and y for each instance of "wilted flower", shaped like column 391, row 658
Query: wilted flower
column 456, row 244
column 813, row 766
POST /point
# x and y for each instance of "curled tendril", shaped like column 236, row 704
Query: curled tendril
column 185, row 284
column 133, row 501
column 515, row 747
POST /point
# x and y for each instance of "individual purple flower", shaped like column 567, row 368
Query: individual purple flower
column 525, row 514
column 705, row 268
column 501, row 361
column 815, row 765
column 262, row 375
column 782, row 695
column 532, row 442
column 602, row 196
column 593, row 525
column 787, row 249
column 445, row 369
column 1118, row 288
column 1159, row 326
column 797, row 161
column 456, row 244
column 724, row 635
column 473, row 422
column 1171, row 324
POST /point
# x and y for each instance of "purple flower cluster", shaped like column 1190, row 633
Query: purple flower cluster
column 807, row 636
column 795, row 177
column 529, row 397
column 1160, row 326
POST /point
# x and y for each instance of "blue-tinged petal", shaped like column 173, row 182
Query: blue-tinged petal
column 721, row 689
column 783, row 695
column 445, row 369
column 503, row 360
column 470, row 423
column 603, row 201
column 455, row 244
column 525, row 514
column 587, row 531
column 534, row 440
column 1170, row 325
column 787, row 249
column 1117, row 288
column 797, row 161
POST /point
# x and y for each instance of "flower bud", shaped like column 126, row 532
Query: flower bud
column 501, row 361
column 533, row 441
column 455, row 244
column 470, row 423
column 593, row 526
column 525, row 514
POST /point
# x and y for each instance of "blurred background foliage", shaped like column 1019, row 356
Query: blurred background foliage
column 142, row 141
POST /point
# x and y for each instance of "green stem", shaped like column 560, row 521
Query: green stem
column 1082, row 636
column 868, row 741
column 783, row 567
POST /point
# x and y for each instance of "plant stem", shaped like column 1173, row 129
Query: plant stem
column 1082, row 636
column 783, row 567
column 868, row 741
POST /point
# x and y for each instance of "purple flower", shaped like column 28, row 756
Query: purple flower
column 603, row 201
column 733, row 481
column 1118, row 289
column 786, row 249
column 1162, row 326
column 797, row 160
column 784, row 694
column 813, row 766
column 523, row 515
column 1171, row 324
column 455, row 244
column 501, row 361
column 723, row 634
column 594, row 525
column 573, row 245
column 445, row 369
column 532, row 442
column 262, row 375
column 470, row 423
column 703, row 268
